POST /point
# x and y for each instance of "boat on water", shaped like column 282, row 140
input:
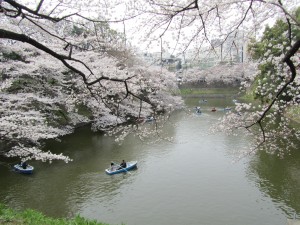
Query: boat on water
column 129, row 166
column 25, row 170
column 140, row 120
column 149, row 119
column 198, row 109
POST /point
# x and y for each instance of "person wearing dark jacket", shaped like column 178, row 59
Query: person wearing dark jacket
column 123, row 164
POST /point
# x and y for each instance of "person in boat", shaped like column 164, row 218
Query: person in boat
column 198, row 109
column 24, row 164
column 122, row 165
column 112, row 166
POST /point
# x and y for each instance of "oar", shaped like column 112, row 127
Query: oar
column 121, row 167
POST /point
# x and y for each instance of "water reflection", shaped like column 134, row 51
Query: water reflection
column 190, row 180
column 279, row 179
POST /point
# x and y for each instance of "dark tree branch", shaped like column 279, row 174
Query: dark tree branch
column 63, row 58
column 39, row 6
column 165, row 30
column 20, row 7
column 42, row 28
column 70, row 52
column 279, row 4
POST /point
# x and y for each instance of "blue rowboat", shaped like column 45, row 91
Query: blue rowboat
column 129, row 166
column 20, row 169
column 149, row 119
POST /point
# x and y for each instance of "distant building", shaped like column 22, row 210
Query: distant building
column 166, row 60
column 229, row 51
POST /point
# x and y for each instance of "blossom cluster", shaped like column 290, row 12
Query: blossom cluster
column 45, row 101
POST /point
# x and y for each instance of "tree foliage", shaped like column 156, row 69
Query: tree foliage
column 276, row 86
column 195, row 25
column 276, row 41
column 100, row 76
column 99, row 81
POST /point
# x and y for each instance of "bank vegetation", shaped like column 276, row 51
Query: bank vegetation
column 31, row 217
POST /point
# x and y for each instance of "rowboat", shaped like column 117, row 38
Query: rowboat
column 149, row 119
column 20, row 169
column 198, row 110
column 129, row 166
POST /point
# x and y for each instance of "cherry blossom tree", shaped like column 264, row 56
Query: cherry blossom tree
column 194, row 25
column 277, row 88
column 230, row 75
column 76, row 34
column 99, row 81
column 41, row 101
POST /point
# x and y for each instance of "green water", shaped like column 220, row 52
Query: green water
column 194, row 179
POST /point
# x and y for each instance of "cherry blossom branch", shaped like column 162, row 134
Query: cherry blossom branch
column 279, row 4
column 45, row 30
column 63, row 58
column 20, row 9
column 191, row 6
column 290, row 64
column 128, row 92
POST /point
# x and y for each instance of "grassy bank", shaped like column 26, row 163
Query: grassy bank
column 32, row 217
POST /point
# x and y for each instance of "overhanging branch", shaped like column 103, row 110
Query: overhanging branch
column 289, row 62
